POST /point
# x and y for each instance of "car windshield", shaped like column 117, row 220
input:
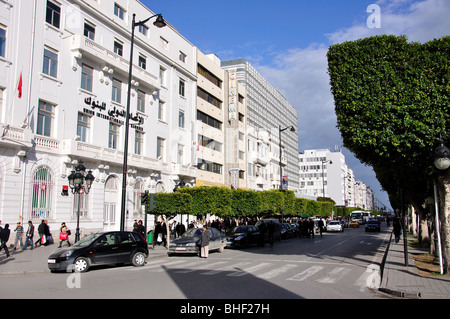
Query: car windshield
column 191, row 232
column 334, row 223
column 240, row 229
column 87, row 240
column 372, row 222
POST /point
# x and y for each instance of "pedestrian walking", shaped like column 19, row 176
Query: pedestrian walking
column 262, row 234
column 140, row 229
column 4, row 237
column 397, row 229
column 19, row 235
column 270, row 232
column 321, row 225
column 29, row 235
column 204, row 242
column 311, row 226
column 64, row 233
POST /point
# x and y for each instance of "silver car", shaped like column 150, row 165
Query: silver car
column 334, row 225
column 189, row 242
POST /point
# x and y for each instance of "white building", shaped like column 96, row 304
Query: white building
column 268, row 111
column 71, row 61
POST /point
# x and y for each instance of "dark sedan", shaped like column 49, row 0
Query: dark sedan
column 99, row 249
column 189, row 242
column 373, row 225
column 242, row 236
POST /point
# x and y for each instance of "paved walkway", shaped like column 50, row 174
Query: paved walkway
column 397, row 280
column 404, row 281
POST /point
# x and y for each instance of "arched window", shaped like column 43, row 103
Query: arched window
column 110, row 204
column 137, row 190
column 41, row 194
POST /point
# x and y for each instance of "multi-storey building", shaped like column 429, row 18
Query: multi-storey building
column 63, row 94
column 268, row 112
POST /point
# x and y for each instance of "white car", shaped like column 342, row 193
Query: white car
column 335, row 225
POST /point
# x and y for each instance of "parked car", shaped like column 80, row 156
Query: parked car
column 373, row 225
column 354, row 223
column 287, row 231
column 98, row 249
column 334, row 225
column 242, row 236
column 188, row 243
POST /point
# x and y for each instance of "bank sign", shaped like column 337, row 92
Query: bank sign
column 113, row 114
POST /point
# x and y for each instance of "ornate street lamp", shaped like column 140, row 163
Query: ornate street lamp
column 80, row 182
column 159, row 23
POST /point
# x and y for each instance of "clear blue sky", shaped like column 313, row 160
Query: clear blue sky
column 287, row 41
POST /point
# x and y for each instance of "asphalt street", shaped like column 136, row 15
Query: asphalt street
column 336, row 265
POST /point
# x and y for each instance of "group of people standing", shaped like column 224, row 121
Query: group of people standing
column 23, row 238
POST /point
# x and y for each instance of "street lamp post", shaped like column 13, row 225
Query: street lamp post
column 80, row 183
column 159, row 22
column 442, row 162
column 292, row 129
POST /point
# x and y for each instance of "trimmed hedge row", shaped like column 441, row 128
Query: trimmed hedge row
column 225, row 202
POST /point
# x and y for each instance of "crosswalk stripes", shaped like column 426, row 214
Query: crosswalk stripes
column 263, row 270
column 306, row 273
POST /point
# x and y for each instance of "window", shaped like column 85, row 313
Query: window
column 209, row 98
column 141, row 101
column 142, row 62
column 83, row 127
column 53, row 14
column 209, row 76
column 89, row 30
column 86, row 77
column 143, row 29
column 116, row 94
column 138, row 142
column 119, row 11
column 182, row 57
column 113, row 135
column 181, row 119
column 162, row 76
column 161, row 108
column 164, row 43
column 205, row 118
column 41, row 193
column 209, row 166
column 181, row 88
column 118, row 47
column 50, row 63
column 45, row 118
column 160, row 148
column 2, row 41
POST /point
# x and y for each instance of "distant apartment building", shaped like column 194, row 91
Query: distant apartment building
column 268, row 111
column 324, row 173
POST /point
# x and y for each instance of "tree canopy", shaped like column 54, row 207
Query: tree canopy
column 392, row 104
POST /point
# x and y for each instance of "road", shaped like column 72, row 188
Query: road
column 336, row 265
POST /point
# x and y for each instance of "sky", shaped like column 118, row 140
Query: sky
column 287, row 42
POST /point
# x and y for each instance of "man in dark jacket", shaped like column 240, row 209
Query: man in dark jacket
column 204, row 242
column 4, row 237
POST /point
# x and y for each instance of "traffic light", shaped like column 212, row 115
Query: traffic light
column 144, row 198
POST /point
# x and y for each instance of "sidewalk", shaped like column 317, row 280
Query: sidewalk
column 25, row 262
column 398, row 280
column 404, row 281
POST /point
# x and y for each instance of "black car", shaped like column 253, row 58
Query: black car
column 242, row 236
column 189, row 241
column 116, row 247
column 373, row 225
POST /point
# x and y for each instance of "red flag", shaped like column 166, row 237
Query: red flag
column 19, row 87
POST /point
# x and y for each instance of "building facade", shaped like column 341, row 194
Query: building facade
column 268, row 112
column 63, row 95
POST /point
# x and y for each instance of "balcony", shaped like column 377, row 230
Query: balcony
column 82, row 46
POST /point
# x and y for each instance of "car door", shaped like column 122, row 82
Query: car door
column 127, row 245
column 214, row 241
column 104, row 250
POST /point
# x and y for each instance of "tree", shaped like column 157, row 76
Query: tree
column 392, row 104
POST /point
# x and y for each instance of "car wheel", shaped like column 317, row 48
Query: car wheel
column 138, row 259
column 81, row 264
